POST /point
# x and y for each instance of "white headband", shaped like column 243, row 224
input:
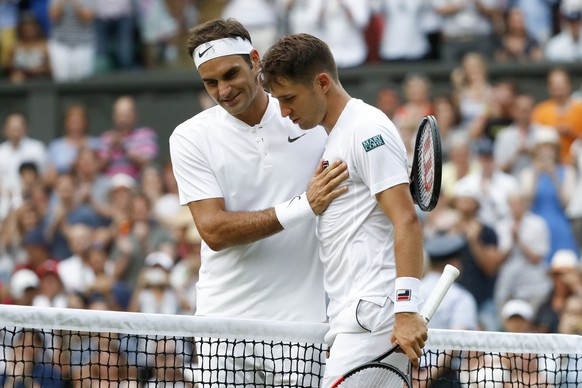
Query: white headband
column 220, row 48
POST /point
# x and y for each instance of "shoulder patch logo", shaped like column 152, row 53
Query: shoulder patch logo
column 373, row 142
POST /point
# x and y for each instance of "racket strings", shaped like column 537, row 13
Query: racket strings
column 425, row 177
column 375, row 377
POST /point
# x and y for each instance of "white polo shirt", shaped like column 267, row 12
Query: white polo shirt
column 356, row 237
column 215, row 155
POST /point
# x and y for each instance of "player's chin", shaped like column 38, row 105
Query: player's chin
column 233, row 109
column 304, row 124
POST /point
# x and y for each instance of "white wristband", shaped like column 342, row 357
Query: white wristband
column 407, row 296
column 294, row 211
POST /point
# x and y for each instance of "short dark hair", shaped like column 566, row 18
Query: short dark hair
column 28, row 166
column 216, row 29
column 297, row 57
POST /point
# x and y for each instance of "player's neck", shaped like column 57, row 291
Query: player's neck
column 336, row 102
column 254, row 114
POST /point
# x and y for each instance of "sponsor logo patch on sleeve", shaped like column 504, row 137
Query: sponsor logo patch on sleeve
column 373, row 142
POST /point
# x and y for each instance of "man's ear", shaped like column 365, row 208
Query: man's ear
column 255, row 59
column 323, row 82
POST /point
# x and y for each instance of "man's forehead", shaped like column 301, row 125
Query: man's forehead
column 220, row 65
column 281, row 86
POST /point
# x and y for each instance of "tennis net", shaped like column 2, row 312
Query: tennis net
column 85, row 348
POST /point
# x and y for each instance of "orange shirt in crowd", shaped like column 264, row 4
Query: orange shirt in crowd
column 548, row 113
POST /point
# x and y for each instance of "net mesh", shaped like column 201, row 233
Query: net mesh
column 85, row 348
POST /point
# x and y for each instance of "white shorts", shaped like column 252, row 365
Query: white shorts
column 358, row 334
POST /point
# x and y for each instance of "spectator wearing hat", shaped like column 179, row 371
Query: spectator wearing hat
column 493, row 184
column 153, row 293
column 567, row 45
column 525, row 240
column 23, row 286
column 550, row 184
column 51, row 292
column 458, row 310
column 481, row 257
column 121, row 189
column 566, row 281
column 560, row 111
column 516, row 316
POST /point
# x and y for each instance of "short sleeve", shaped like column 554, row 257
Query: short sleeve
column 380, row 156
column 192, row 169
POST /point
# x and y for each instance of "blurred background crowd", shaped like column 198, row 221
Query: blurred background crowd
column 68, row 40
column 94, row 220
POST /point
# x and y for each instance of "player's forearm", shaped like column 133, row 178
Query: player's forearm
column 408, row 248
column 227, row 229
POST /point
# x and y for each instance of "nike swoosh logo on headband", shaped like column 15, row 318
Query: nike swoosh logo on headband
column 201, row 54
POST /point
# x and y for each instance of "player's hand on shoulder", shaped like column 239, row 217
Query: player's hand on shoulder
column 410, row 332
column 324, row 186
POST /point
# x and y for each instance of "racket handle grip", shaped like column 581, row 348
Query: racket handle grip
column 447, row 278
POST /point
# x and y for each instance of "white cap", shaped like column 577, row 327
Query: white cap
column 563, row 259
column 517, row 307
column 121, row 180
column 546, row 135
column 465, row 188
column 21, row 280
column 159, row 258
column 155, row 277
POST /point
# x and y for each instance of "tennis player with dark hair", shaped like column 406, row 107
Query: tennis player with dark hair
column 371, row 237
column 254, row 183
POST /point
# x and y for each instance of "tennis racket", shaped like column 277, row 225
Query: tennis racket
column 425, row 176
column 378, row 374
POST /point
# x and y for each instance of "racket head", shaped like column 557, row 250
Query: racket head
column 374, row 375
column 426, row 173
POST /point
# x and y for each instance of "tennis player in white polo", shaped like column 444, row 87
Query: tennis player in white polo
column 371, row 238
column 247, row 175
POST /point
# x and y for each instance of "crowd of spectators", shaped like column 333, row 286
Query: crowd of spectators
column 69, row 40
column 511, row 188
column 102, row 212
column 85, row 217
